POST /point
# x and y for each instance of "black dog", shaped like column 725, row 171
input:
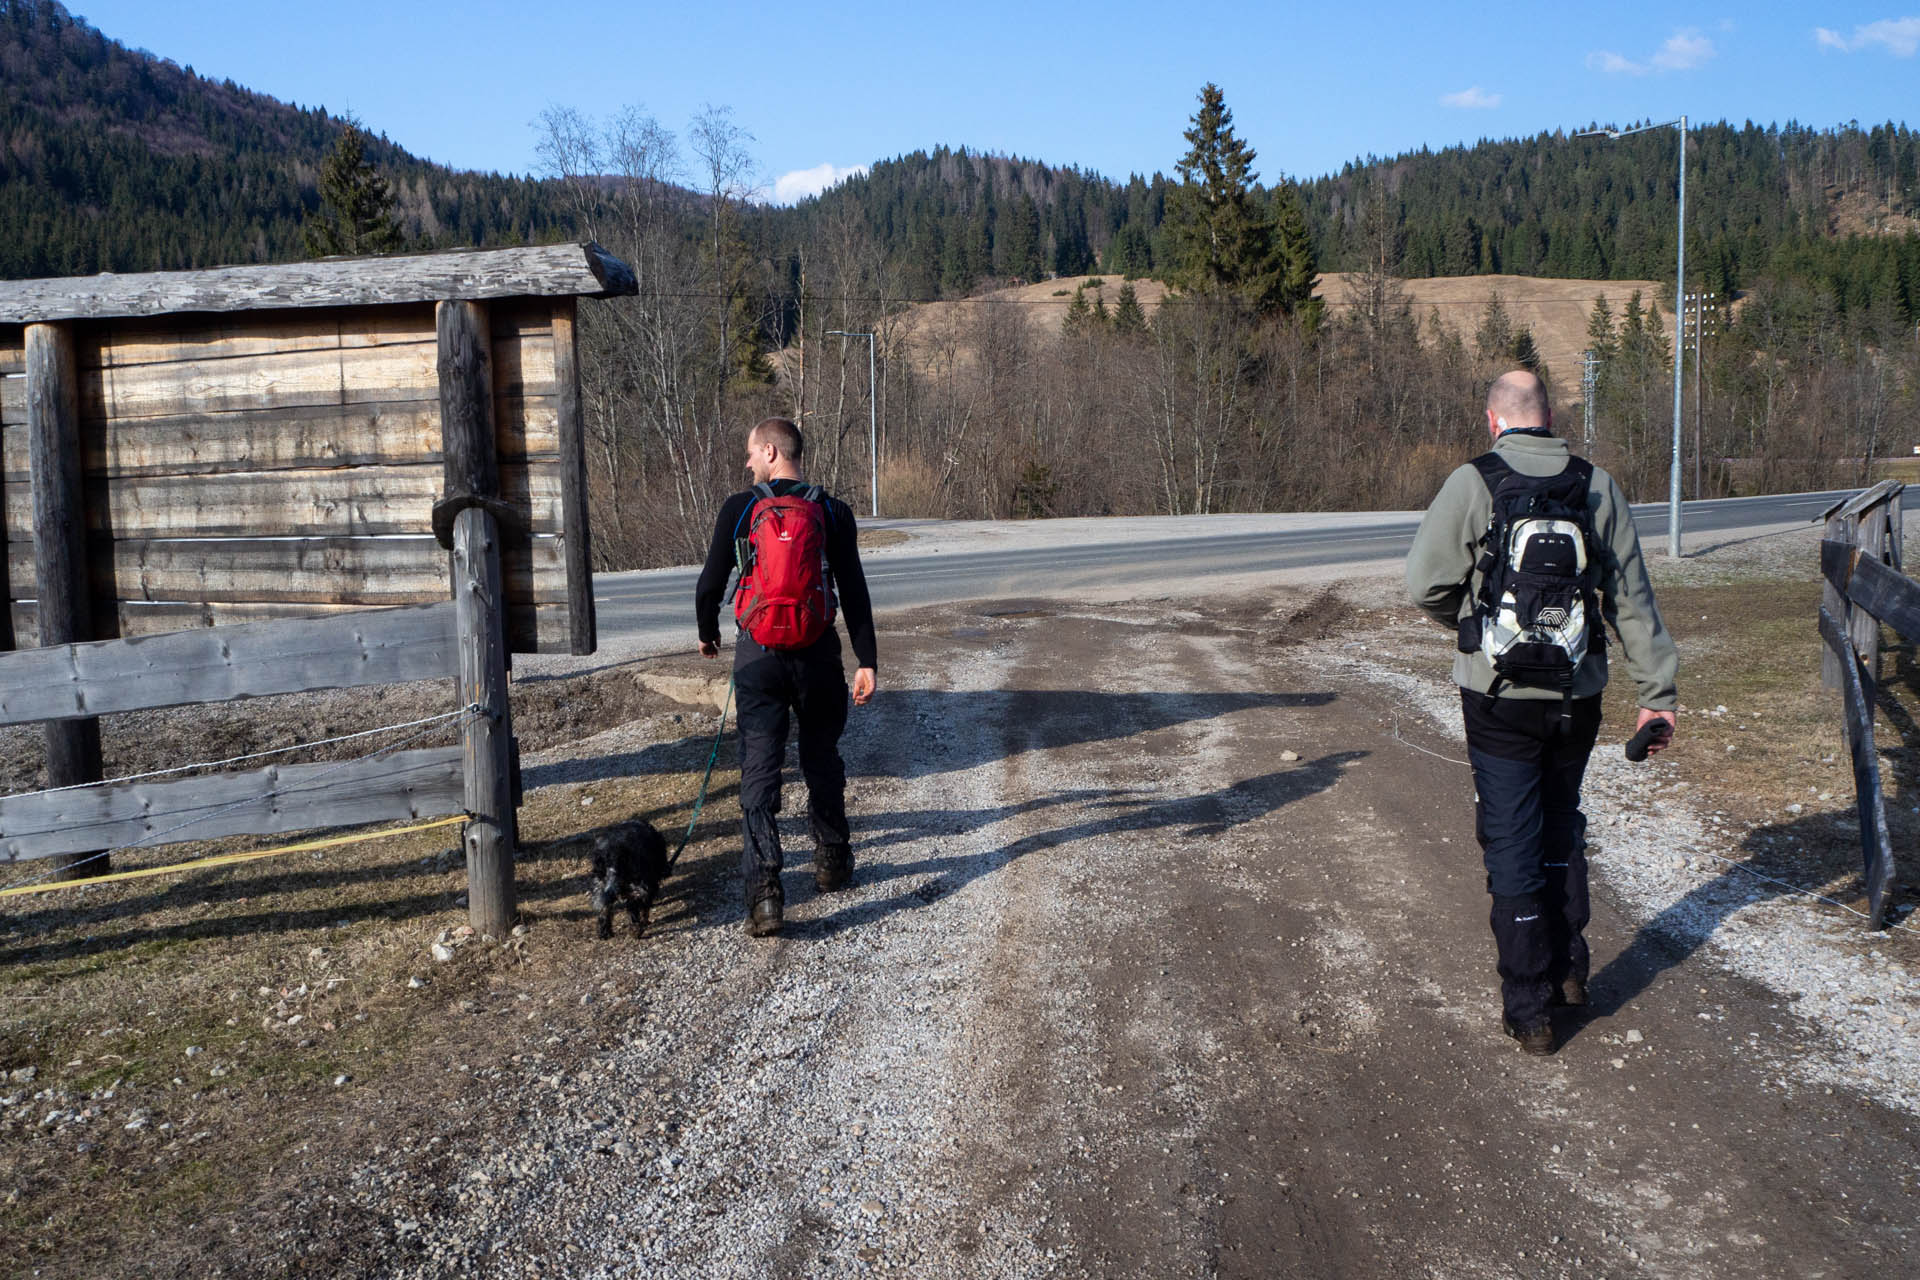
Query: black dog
column 629, row 862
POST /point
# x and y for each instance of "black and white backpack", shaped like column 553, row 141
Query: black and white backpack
column 1535, row 615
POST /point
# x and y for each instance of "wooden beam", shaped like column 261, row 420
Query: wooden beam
column 1880, row 590
column 573, row 478
column 1833, row 599
column 63, row 597
column 557, row 270
column 306, row 503
column 376, row 646
column 374, row 572
column 406, row 784
column 1858, row 697
column 466, row 415
column 388, row 433
column 541, row 628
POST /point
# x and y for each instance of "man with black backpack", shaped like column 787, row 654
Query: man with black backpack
column 1524, row 554
column 795, row 548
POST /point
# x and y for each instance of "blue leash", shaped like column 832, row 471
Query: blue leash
column 713, row 755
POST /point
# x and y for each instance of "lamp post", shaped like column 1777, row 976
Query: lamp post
column 873, row 413
column 1679, row 296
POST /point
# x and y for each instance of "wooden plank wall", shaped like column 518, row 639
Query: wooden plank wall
column 285, row 464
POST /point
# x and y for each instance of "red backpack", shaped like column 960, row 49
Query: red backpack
column 784, row 599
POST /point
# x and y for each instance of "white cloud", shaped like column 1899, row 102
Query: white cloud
column 1899, row 36
column 801, row 183
column 1475, row 97
column 1683, row 51
column 1613, row 64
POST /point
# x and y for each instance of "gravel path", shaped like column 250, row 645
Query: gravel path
column 1167, row 956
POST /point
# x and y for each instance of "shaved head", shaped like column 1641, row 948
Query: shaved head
column 1521, row 399
column 782, row 434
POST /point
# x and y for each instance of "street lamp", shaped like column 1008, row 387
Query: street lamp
column 873, row 413
column 1679, row 294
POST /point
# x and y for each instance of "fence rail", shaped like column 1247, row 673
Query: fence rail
column 1865, row 587
column 427, row 783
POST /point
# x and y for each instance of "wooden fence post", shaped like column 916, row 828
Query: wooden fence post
column 1863, row 629
column 573, row 465
column 1838, row 530
column 472, row 471
column 64, row 605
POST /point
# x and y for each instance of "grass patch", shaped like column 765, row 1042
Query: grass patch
column 1760, row 741
column 871, row 538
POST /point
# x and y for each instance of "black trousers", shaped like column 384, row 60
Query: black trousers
column 774, row 688
column 1528, row 762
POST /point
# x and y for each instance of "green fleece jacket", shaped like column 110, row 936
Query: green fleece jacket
column 1442, row 581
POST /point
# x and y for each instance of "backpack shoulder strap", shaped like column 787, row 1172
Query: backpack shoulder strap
column 1492, row 468
column 814, row 493
column 758, row 491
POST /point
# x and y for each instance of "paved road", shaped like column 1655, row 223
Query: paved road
column 651, row 610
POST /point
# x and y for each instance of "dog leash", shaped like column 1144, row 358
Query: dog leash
column 700, row 800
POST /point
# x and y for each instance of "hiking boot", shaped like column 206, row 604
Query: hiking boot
column 832, row 867
column 1535, row 1038
column 764, row 920
column 1571, row 993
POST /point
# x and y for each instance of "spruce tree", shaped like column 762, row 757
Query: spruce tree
column 1079, row 315
column 356, row 204
column 1222, row 242
column 1525, row 353
column 1127, row 314
column 1298, row 270
column 1600, row 327
column 1494, row 338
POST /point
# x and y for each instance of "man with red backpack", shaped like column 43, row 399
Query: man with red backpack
column 797, row 551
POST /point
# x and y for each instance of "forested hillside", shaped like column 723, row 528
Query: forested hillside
column 1242, row 390
column 112, row 159
column 1761, row 201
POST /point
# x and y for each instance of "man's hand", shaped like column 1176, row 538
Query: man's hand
column 862, row 686
column 709, row 648
column 1661, row 741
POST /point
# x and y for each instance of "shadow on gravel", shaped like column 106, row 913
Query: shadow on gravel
column 1033, row 720
column 1711, row 547
column 1114, row 812
column 678, row 756
column 1813, row 851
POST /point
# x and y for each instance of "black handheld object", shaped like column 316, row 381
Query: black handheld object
column 1653, row 731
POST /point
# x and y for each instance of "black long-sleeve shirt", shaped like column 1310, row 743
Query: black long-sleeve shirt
column 843, row 561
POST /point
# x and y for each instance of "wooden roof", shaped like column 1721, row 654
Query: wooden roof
column 548, row 270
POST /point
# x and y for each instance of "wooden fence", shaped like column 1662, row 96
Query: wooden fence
column 257, row 480
column 1865, row 587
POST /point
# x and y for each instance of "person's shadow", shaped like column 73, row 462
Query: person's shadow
column 1112, row 812
column 1820, row 852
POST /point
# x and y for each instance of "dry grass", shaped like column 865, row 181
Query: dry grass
column 871, row 538
column 215, row 1011
column 1555, row 310
column 1751, row 647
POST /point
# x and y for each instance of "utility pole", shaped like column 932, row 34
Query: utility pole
column 873, row 412
column 1589, row 382
column 1679, row 310
column 1695, row 332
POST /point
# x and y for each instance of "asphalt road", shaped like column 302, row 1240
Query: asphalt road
column 652, row 610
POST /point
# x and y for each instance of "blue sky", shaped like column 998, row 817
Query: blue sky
column 1106, row 86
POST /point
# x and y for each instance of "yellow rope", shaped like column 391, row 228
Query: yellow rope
column 225, row 859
